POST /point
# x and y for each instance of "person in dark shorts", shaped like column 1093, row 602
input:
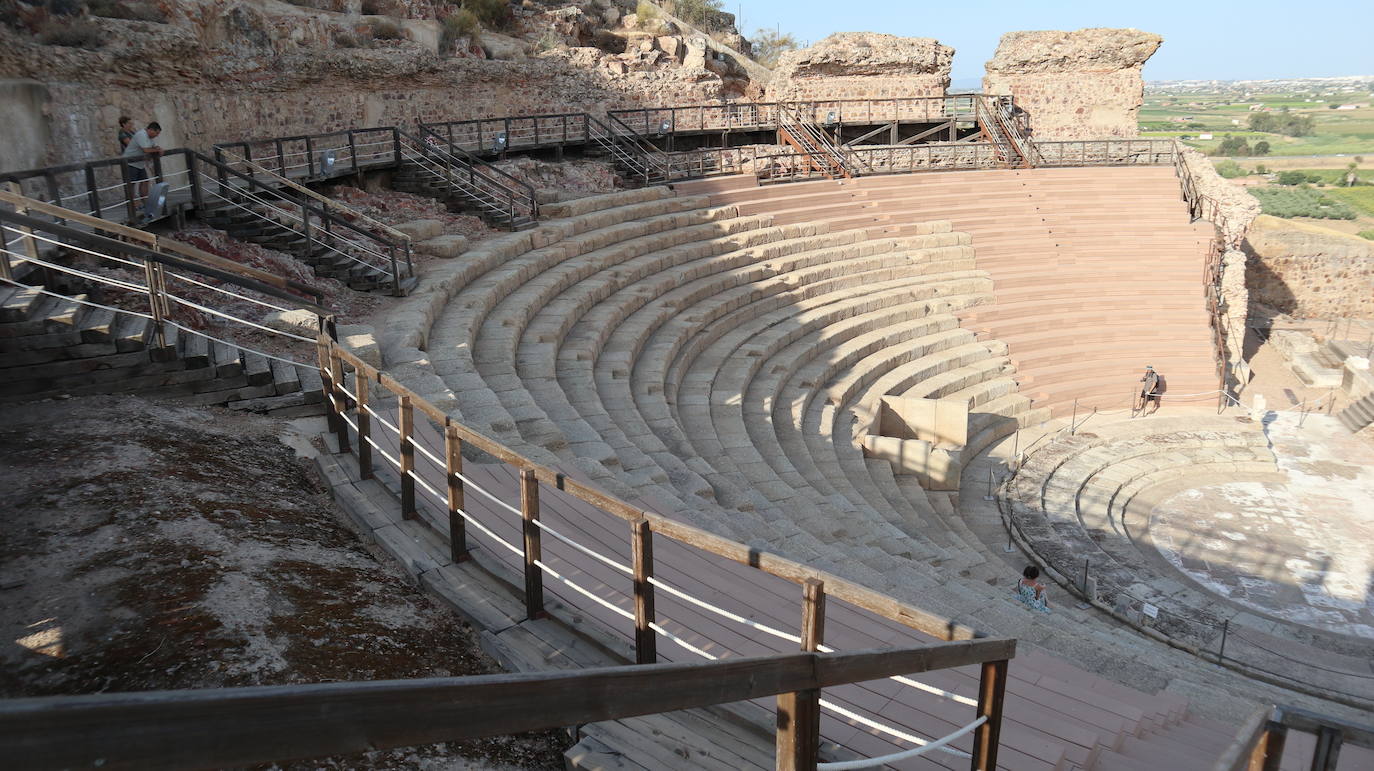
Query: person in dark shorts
column 1149, row 390
column 142, row 147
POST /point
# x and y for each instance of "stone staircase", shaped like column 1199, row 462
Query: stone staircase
column 54, row 345
column 1358, row 415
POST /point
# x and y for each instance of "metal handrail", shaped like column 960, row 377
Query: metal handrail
column 495, row 190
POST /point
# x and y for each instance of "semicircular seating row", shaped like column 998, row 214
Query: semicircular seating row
column 1096, row 271
column 714, row 365
column 1090, row 498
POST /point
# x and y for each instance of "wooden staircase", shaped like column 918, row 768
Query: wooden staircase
column 56, row 345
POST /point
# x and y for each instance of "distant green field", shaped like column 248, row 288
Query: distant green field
column 1348, row 132
column 1359, row 198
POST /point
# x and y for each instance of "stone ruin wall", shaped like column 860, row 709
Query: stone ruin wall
column 223, row 71
column 1309, row 271
column 862, row 65
column 1075, row 85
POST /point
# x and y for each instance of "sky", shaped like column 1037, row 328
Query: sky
column 1203, row 39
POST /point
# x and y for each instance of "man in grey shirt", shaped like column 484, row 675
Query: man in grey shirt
column 1149, row 390
column 139, row 149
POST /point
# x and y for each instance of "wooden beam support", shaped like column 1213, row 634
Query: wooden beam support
column 799, row 712
column 642, row 551
column 361, row 384
column 529, row 516
column 219, row 727
column 406, row 424
column 457, row 526
column 992, row 689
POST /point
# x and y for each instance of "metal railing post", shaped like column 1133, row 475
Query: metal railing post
column 406, row 426
column 453, row 469
column 529, row 517
column 642, row 551
column 1225, row 629
column 93, row 192
column 364, row 427
column 353, row 149
column 799, row 713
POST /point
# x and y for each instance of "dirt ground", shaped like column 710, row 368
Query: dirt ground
column 148, row 546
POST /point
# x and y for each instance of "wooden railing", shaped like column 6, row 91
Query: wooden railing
column 356, row 423
column 1259, row 744
column 221, row 727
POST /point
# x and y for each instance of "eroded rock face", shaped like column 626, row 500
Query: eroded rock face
column 1307, row 270
column 1084, row 84
column 863, row 65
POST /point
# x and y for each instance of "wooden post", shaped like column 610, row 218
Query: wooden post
column 406, row 424
column 534, row 575
column 1268, row 751
column 322, row 345
column 642, row 550
column 991, row 692
column 336, row 380
column 457, row 526
column 364, row 428
column 799, row 713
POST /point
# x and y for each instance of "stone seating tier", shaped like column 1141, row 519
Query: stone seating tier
column 715, row 364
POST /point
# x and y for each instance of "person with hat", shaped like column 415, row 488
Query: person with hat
column 1150, row 390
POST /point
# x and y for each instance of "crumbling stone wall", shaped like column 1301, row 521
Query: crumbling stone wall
column 1075, row 85
column 1309, row 271
column 237, row 70
column 863, row 65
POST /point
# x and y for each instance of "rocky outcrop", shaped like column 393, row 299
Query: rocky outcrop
column 1075, row 85
column 863, row 65
column 1309, row 271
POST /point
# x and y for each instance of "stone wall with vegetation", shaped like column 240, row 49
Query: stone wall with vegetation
column 863, row 65
column 1075, row 85
column 1309, row 271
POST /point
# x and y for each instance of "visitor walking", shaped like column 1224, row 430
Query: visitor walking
column 141, row 147
column 1149, row 390
column 1031, row 592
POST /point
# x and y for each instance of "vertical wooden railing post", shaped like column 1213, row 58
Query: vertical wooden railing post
column 406, row 425
column 991, row 693
column 322, row 356
column 453, row 469
column 529, row 517
column 799, row 713
column 1268, row 751
column 336, row 380
column 364, row 427
column 642, row 551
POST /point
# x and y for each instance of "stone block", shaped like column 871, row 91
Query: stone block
column 443, row 246
column 421, row 230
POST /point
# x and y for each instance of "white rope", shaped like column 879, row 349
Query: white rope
column 585, row 592
column 483, row 528
column 686, row 645
column 723, row 612
column 882, row 760
column 222, row 314
column 41, row 290
column 140, row 288
column 243, row 349
column 887, row 729
column 494, row 499
column 589, row 552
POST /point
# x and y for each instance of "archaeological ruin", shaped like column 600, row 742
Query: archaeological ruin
column 411, row 374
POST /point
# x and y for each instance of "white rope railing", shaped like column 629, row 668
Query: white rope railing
column 923, row 745
column 883, row 760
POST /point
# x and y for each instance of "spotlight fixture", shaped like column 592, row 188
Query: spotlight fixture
column 327, row 160
column 499, row 143
column 157, row 201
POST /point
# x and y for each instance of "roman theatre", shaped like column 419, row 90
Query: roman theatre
column 689, row 381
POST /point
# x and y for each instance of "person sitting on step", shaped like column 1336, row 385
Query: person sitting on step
column 1031, row 592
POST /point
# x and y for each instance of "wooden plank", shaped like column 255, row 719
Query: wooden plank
column 453, row 469
column 405, row 423
column 992, row 690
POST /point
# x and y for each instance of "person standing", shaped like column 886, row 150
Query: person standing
column 126, row 132
column 140, row 148
column 1149, row 390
